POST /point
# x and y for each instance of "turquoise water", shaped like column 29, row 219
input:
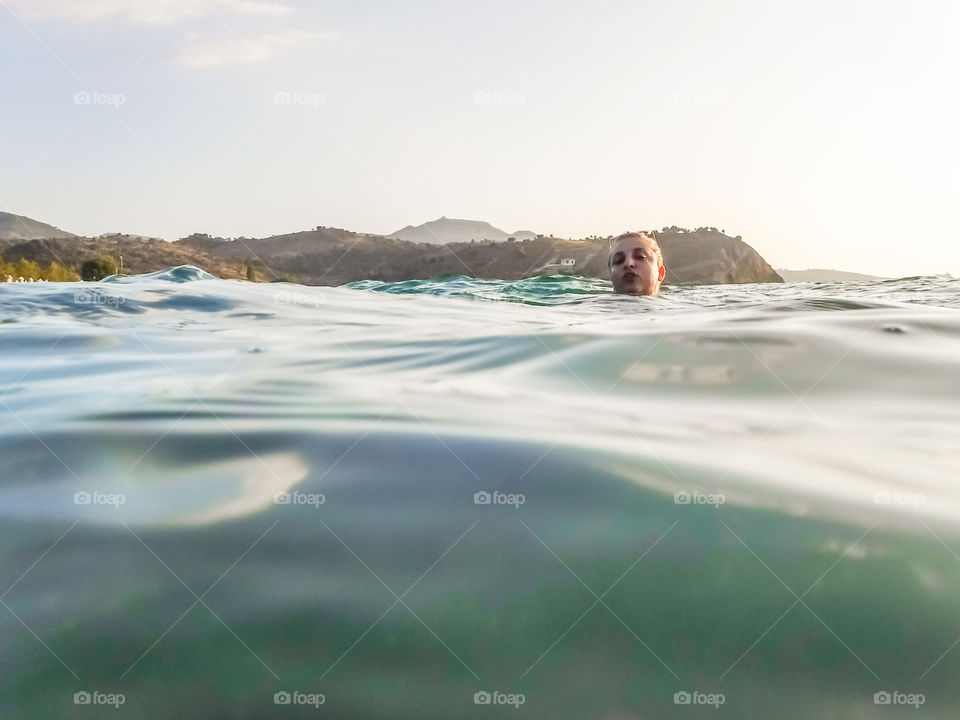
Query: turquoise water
column 216, row 491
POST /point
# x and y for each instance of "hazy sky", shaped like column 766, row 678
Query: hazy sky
column 823, row 132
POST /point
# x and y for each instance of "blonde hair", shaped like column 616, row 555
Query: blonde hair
column 649, row 234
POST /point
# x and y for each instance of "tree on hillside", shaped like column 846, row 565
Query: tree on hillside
column 54, row 272
column 98, row 268
column 58, row 273
column 27, row 269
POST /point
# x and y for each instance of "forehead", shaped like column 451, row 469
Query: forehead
column 627, row 244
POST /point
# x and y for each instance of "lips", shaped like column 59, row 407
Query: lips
column 629, row 275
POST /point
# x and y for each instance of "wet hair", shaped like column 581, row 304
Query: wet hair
column 650, row 234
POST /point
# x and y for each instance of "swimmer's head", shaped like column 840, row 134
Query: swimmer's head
column 636, row 263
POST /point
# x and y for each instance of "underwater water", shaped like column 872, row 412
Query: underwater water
column 465, row 498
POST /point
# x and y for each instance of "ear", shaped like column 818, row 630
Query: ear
column 663, row 272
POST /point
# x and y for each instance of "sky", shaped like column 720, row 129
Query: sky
column 824, row 133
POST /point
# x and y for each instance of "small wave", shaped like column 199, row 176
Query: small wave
column 179, row 274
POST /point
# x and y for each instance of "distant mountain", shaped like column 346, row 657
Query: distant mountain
column 448, row 230
column 18, row 227
column 818, row 275
column 307, row 242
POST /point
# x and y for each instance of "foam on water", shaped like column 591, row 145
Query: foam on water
column 155, row 424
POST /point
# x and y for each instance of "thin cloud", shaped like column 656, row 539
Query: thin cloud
column 145, row 11
column 229, row 50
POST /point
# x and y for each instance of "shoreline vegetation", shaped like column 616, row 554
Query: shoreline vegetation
column 335, row 256
column 26, row 270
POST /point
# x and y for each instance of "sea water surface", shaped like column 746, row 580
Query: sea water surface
column 463, row 498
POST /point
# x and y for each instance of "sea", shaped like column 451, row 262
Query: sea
column 465, row 498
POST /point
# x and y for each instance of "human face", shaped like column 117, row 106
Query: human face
column 635, row 268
